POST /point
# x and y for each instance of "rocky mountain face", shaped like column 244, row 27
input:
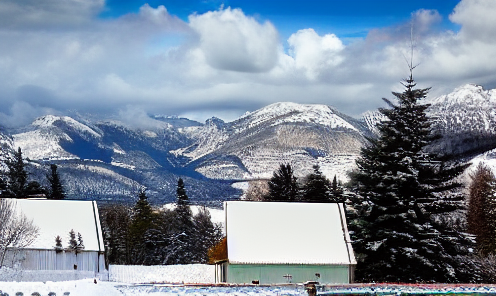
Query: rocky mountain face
column 111, row 160
column 467, row 120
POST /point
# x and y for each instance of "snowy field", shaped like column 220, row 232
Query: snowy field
column 198, row 281
column 87, row 287
column 191, row 273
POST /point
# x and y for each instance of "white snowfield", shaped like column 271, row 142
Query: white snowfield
column 190, row 273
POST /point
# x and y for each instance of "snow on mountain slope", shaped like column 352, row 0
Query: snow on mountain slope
column 42, row 144
column 254, row 145
column 467, row 119
column 287, row 112
column 371, row 119
column 49, row 121
column 44, row 136
column 467, row 108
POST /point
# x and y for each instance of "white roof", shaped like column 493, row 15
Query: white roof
column 58, row 217
column 287, row 233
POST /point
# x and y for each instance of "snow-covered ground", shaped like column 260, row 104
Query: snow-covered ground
column 190, row 273
column 87, row 287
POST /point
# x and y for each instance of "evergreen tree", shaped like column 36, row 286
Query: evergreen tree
column 317, row 187
column 116, row 221
column 141, row 223
column 17, row 176
column 396, row 235
column 58, row 244
column 80, row 243
column 283, row 185
column 206, row 235
column 56, row 190
column 72, row 241
column 17, row 185
column 481, row 215
column 336, row 191
column 181, row 241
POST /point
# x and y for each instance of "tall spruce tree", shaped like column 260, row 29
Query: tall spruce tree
column 141, row 223
column 396, row 235
column 317, row 187
column 17, row 176
column 336, row 191
column 56, row 190
column 283, row 185
column 481, row 214
column 181, row 241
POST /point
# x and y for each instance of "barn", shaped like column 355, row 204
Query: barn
column 278, row 242
column 57, row 218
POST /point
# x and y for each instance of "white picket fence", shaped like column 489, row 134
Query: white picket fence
column 190, row 273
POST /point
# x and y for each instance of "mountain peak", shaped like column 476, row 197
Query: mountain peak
column 288, row 112
column 469, row 95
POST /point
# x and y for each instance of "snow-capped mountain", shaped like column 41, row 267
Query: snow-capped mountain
column 109, row 159
column 467, row 119
column 254, row 145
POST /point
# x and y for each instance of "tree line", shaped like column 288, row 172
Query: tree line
column 148, row 236
column 14, row 183
column 285, row 187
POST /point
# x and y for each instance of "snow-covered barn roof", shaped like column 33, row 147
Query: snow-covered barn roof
column 58, row 217
column 287, row 233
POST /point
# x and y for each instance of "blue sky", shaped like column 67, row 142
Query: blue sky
column 346, row 19
column 222, row 58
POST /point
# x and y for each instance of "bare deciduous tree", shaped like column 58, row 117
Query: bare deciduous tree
column 16, row 230
column 257, row 190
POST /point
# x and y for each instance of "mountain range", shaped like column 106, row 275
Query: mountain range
column 112, row 160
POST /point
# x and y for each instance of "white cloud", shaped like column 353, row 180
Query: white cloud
column 314, row 53
column 223, row 61
column 230, row 40
column 477, row 18
column 22, row 113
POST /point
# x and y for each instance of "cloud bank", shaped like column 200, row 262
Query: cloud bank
column 58, row 55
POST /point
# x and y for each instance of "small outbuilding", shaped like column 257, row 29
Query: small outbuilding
column 278, row 242
column 57, row 218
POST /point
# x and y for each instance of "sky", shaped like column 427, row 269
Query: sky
column 205, row 58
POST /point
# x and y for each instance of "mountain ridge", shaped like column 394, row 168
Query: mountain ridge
column 118, row 158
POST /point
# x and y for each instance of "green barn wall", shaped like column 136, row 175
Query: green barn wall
column 274, row 274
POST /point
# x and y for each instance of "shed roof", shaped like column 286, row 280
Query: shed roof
column 58, row 217
column 287, row 233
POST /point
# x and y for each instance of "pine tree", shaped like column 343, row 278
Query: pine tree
column 336, row 191
column 181, row 241
column 396, row 235
column 56, row 189
column 72, row 241
column 80, row 243
column 141, row 223
column 116, row 221
column 58, row 244
column 17, row 176
column 206, row 235
column 481, row 214
column 317, row 187
column 283, row 185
